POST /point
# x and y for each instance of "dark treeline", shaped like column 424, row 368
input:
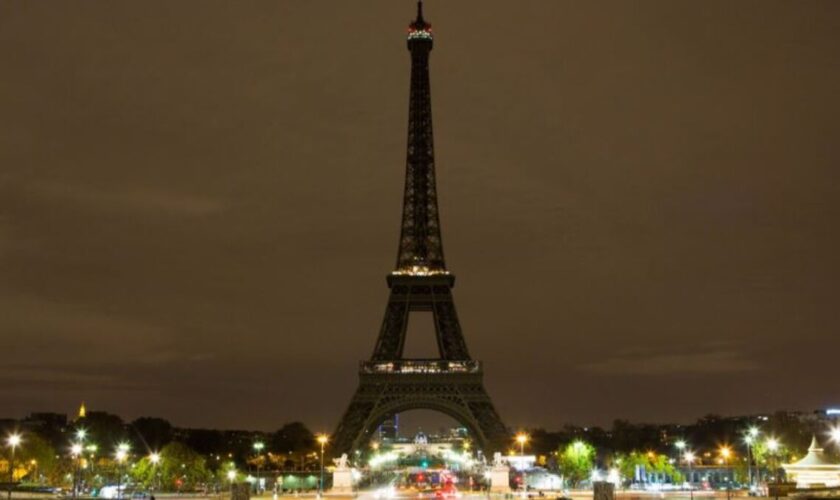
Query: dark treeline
column 795, row 429
column 295, row 440
column 149, row 434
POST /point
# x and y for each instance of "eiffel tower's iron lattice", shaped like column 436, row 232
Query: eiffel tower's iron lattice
column 453, row 383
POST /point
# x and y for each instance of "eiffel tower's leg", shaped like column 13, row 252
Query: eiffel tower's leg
column 352, row 423
column 450, row 340
column 391, row 339
column 496, row 435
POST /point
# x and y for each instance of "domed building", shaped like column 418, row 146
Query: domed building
column 814, row 470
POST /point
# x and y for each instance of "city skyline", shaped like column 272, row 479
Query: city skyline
column 199, row 205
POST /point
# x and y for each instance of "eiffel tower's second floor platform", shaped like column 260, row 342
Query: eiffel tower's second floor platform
column 419, row 366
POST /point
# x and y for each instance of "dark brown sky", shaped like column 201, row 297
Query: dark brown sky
column 199, row 202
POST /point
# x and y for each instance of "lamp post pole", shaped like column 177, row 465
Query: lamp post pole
column 322, row 440
column 13, row 441
column 76, row 452
column 752, row 434
column 773, row 448
column 680, row 449
column 689, row 458
column 258, row 447
column 121, row 455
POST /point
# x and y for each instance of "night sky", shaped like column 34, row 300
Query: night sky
column 199, row 202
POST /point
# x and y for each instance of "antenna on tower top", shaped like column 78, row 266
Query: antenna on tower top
column 419, row 10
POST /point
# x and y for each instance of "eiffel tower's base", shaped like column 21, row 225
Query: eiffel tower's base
column 454, row 388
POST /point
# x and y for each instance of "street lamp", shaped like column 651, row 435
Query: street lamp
column 834, row 435
column 120, row 455
column 34, row 464
column 752, row 434
column 92, row 449
column 154, row 459
column 231, row 475
column 522, row 438
column 323, row 439
column 725, row 453
column 773, row 447
column 76, row 452
column 680, row 445
column 12, row 441
column 258, row 447
column 689, row 459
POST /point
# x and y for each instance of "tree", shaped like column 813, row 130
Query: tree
column 179, row 468
column 576, row 461
column 650, row 462
column 154, row 432
column 34, row 457
column 293, row 437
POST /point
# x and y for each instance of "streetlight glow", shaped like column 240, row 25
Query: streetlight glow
column 835, row 434
column 680, row 445
column 76, row 449
column 154, row 458
column 772, row 444
column 521, row 438
column 725, row 452
column 688, row 457
column 13, row 440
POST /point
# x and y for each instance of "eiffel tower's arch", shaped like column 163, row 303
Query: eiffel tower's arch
column 454, row 409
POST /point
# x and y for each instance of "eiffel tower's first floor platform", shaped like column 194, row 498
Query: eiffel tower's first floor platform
column 455, row 388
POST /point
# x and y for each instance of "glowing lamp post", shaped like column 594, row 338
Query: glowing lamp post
column 773, row 447
column 725, row 453
column 749, row 439
column 680, row 445
column 258, row 448
column 121, row 455
column 834, row 435
column 521, row 438
column 154, row 459
column 76, row 452
column 12, row 441
column 323, row 439
column 689, row 459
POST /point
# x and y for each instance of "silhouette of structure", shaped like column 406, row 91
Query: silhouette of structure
column 389, row 383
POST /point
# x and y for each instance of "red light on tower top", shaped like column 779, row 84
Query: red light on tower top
column 420, row 29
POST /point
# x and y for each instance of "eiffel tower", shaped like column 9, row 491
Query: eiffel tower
column 390, row 383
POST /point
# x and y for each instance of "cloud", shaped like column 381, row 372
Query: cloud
column 133, row 199
column 40, row 377
column 708, row 362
